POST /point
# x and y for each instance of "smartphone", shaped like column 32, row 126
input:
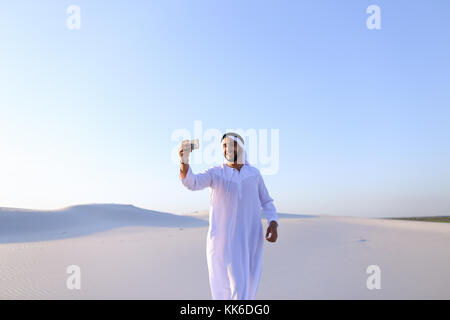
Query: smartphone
column 193, row 144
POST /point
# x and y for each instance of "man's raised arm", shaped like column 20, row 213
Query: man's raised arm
column 190, row 180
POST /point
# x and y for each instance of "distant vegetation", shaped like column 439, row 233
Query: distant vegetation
column 427, row 219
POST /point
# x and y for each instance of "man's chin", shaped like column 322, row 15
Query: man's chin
column 228, row 159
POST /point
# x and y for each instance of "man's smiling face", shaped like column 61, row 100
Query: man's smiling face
column 231, row 149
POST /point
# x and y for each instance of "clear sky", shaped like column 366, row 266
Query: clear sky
column 86, row 116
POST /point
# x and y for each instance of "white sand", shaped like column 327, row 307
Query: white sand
column 130, row 253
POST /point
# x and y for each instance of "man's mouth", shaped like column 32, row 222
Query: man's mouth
column 231, row 157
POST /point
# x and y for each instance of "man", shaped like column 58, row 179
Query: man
column 235, row 239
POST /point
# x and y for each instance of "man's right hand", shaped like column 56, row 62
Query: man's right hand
column 184, row 151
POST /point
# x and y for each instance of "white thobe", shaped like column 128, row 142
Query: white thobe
column 235, row 236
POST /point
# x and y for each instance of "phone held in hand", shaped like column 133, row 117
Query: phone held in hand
column 191, row 144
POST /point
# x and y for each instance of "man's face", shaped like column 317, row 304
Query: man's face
column 230, row 149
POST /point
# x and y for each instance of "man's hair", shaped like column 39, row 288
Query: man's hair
column 232, row 134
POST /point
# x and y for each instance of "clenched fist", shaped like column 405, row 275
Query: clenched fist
column 184, row 151
column 272, row 233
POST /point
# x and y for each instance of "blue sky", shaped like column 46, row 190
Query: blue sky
column 363, row 115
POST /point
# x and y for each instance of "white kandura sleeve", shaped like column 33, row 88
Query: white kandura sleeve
column 197, row 181
column 267, row 202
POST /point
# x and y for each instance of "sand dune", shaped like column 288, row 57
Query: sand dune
column 126, row 252
column 22, row 225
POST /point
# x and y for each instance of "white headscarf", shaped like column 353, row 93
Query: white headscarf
column 242, row 159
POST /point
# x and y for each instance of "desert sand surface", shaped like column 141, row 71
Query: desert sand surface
column 125, row 252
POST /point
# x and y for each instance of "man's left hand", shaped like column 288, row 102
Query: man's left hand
column 272, row 234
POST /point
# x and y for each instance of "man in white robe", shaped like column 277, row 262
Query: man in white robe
column 234, row 245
